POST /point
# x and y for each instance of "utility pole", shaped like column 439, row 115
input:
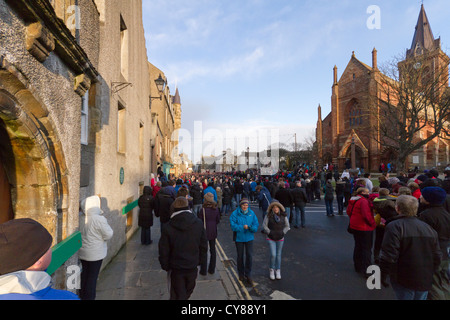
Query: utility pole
column 295, row 135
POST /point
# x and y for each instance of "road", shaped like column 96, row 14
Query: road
column 316, row 261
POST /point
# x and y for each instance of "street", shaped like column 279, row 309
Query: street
column 316, row 261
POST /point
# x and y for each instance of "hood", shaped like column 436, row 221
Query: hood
column 91, row 206
column 278, row 204
column 24, row 282
column 182, row 220
column 147, row 190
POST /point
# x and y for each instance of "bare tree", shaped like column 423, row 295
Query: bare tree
column 414, row 97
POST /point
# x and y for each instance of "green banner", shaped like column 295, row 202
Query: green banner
column 63, row 251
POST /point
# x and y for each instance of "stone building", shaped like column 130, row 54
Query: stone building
column 76, row 114
column 166, row 120
column 116, row 120
column 48, row 60
column 350, row 123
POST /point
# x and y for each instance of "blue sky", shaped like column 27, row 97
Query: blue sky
column 250, row 65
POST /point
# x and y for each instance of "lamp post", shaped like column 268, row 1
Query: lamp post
column 160, row 84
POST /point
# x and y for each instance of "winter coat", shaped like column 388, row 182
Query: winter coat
column 196, row 194
column 212, row 215
column 146, row 204
column 31, row 285
column 238, row 219
column 299, row 197
column 340, row 188
column 155, row 190
column 163, row 201
column 329, row 192
column 227, row 195
column 276, row 228
column 264, row 198
column 361, row 217
column 219, row 198
column 95, row 230
column 183, row 244
column 238, row 187
column 410, row 253
column 284, row 196
column 439, row 219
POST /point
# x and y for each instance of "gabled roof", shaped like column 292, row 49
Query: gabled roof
column 423, row 36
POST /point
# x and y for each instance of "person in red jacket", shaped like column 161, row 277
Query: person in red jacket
column 362, row 224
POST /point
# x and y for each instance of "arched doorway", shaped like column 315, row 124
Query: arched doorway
column 359, row 156
column 35, row 175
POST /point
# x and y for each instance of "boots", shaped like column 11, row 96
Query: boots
column 272, row 274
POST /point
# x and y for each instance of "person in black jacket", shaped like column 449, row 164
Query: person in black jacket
column 284, row 196
column 340, row 189
column 410, row 252
column 439, row 219
column 300, row 199
column 145, row 218
column 197, row 197
column 182, row 247
column 163, row 201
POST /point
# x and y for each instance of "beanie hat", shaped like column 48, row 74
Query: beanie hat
column 22, row 243
column 243, row 201
column 209, row 197
column 181, row 203
column 434, row 195
column 422, row 178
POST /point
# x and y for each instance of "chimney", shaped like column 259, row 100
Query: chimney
column 374, row 59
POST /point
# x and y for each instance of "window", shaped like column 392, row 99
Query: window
column 85, row 119
column 123, row 48
column 121, row 129
column 141, row 141
column 355, row 115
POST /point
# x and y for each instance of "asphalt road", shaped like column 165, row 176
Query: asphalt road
column 316, row 261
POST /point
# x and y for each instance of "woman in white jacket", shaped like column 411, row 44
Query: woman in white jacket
column 95, row 232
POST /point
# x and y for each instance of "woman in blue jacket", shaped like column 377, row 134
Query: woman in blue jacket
column 244, row 224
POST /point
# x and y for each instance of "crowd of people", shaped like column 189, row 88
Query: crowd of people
column 402, row 225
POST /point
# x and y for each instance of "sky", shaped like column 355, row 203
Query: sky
column 260, row 68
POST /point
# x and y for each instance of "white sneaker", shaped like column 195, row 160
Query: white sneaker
column 278, row 272
column 272, row 274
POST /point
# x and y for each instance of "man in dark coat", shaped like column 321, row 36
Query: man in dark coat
column 163, row 201
column 145, row 218
column 300, row 199
column 283, row 195
column 439, row 219
column 182, row 247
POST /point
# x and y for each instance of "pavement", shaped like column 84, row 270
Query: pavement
column 135, row 274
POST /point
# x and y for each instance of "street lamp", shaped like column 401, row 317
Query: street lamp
column 160, row 83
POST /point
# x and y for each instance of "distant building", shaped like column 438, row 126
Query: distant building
column 349, row 121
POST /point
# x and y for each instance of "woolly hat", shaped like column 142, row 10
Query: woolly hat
column 422, row 178
column 243, row 201
column 181, row 203
column 434, row 195
column 209, row 197
column 22, row 243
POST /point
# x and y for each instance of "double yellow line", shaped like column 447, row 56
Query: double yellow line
column 233, row 277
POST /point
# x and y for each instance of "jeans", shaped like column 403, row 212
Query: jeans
column 244, row 258
column 288, row 212
column 238, row 198
column 403, row 293
column 329, row 206
column 299, row 216
column 226, row 208
column 196, row 209
column 275, row 253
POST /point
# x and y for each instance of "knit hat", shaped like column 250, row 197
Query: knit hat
column 181, row 203
column 209, row 197
column 422, row 178
column 243, row 201
column 434, row 195
column 22, row 243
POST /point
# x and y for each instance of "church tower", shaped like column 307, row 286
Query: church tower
column 426, row 54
